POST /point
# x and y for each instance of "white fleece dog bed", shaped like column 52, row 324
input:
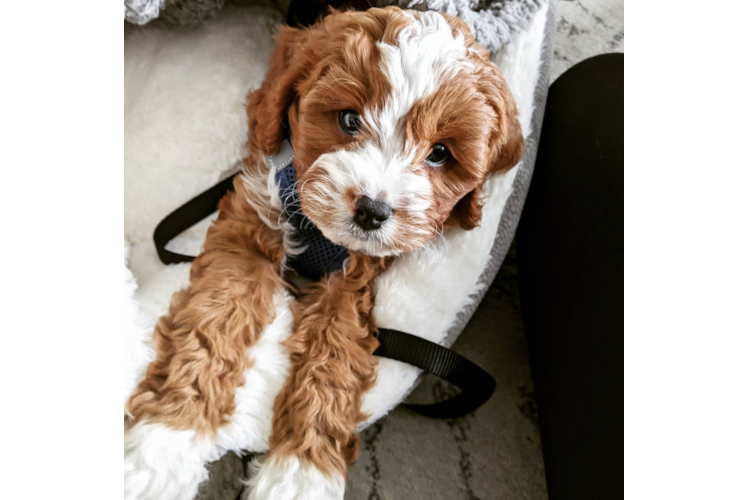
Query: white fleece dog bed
column 185, row 129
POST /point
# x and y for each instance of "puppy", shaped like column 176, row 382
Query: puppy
column 396, row 118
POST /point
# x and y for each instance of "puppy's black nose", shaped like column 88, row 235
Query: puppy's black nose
column 370, row 214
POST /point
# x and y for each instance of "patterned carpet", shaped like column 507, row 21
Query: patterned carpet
column 585, row 28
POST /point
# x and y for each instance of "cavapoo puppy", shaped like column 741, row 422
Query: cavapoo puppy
column 372, row 132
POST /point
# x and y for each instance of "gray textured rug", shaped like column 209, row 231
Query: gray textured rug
column 494, row 453
column 585, row 28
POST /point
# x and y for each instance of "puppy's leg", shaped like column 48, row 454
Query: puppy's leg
column 314, row 423
column 188, row 391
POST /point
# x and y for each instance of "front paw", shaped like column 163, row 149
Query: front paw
column 288, row 478
column 164, row 464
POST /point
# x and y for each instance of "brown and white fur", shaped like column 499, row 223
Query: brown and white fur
column 415, row 79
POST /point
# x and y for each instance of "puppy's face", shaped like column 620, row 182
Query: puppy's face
column 396, row 119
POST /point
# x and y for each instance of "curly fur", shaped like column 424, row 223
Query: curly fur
column 201, row 344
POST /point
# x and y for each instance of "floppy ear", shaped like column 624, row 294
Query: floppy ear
column 511, row 140
column 508, row 141
column 468, row 211
column 267, row 108
column 508, row 147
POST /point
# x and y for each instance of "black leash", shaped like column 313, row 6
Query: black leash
column 476, row 385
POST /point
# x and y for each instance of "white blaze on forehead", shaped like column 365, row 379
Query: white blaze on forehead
column 426, row 55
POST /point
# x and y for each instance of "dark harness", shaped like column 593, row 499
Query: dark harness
column 319, row 256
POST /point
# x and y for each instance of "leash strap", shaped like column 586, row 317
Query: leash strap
column 476, row 384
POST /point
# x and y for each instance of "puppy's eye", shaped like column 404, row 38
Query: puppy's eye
column 349, row 121
column 439, row 155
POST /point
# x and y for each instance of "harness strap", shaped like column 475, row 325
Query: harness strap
column 186, row 216
column 476, row 384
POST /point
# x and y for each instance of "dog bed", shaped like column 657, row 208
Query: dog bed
column 185, row 130
column 492, row 23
